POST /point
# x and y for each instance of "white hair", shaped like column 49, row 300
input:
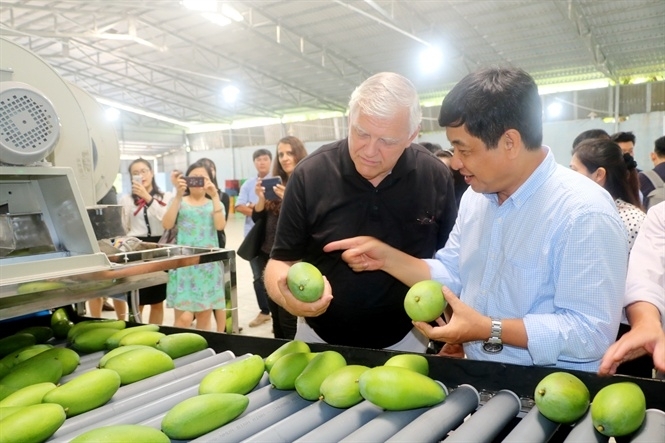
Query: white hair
column 383, row 94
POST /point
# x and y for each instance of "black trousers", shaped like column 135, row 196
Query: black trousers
column 284, row 324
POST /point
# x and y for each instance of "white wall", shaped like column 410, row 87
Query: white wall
column 236, row 163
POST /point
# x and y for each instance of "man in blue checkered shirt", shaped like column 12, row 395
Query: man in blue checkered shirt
column 538, row 254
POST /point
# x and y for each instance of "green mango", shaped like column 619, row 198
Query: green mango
column 31, row 372
column 286, row 348
column 341, row 388
column 85, row 392
column 114, row 341
column 181, row 344
column 67, row 357
column 201, row 414
column 6, row 391
column 34, row 423
column 123, row 434
column 6, row 411
column 424, row 301
column 12, row 359
column 415, row 362
column 92, row 324
column 30, row 352
column 42, row 333
column 61, row 329
column 285, row 371
column 398, row 389
column 58, row 316
column 5, row 368
column 92, row 340
column 146, row 338
column 29, row 395
column 15, row 342
column 236, row 377
column 308, row 383
column 117, row 351
column 139, row 364
column 305, row 282
column 562, row 397
column 618, row 409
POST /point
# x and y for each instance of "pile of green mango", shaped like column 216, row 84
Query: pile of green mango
column 401, row 383
column 33, row 405
column 617, row 409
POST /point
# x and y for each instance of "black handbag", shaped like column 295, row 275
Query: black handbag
column 251, row 245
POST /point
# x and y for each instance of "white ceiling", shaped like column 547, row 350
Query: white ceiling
column 308, row 55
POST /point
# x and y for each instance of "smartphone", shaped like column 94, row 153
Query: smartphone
column 194, row 182
column 268, row 184
column 137, row 178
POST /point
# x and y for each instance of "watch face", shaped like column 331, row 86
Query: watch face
column 492, row 348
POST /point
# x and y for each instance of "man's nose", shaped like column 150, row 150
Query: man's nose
column 456, row 163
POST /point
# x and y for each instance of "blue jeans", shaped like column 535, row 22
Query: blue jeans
column 259, row 288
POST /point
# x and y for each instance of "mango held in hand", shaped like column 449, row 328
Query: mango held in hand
column 305, row 282
column 562, row 397
column 618, row 409
column 424, row 301
column 199, row 415
column 398, row 389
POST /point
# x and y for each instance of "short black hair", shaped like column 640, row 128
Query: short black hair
column 493, row 100
column 659, row 146
column 590, row 134
column 621, row 137
column 261, row 152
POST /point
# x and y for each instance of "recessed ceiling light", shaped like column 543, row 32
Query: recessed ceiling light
column 200, row 5
column 112, row 114
column 554, row 109
column 230, row 94
column 431, row 59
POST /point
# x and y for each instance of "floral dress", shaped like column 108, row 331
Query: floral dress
column 201, row 287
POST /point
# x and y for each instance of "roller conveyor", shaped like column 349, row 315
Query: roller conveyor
column 475, row 409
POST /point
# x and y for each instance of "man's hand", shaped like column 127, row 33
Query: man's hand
column 465, row 325
column 646, row 336
column 362, row 253
column 451, row 350
column 303, row 309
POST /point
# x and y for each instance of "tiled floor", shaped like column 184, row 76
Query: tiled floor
column 247, row 306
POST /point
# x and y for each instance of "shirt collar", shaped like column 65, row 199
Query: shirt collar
column 533, row 183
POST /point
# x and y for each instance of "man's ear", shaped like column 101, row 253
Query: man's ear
column 512, row 142
column 414, row 135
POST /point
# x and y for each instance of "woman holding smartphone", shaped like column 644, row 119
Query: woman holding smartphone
column 142, row 213
column 290, row 150
column 194, row 291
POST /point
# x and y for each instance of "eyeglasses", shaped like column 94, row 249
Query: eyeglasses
column 141, row 171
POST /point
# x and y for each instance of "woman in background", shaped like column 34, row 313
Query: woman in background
column 290, row 150
column 142, row 214
column 198, row 213
column 603, row 162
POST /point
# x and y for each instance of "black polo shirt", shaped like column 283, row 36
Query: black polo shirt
column 412, row 209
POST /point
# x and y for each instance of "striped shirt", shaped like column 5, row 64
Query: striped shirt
column 553, row 254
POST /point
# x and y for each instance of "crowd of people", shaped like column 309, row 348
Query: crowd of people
column 542, row 264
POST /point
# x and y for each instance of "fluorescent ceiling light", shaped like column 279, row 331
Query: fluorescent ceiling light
column 230, row 94
column 218, row 19
column 200, row 5
column 232, row 13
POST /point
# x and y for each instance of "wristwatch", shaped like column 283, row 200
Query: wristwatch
column 494, row 344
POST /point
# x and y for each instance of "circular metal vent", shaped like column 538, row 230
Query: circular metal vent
column 29, row 125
